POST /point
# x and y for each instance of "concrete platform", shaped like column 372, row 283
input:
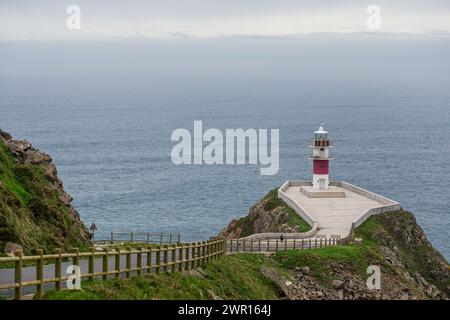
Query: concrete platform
column 331, row 192
column 335, row 216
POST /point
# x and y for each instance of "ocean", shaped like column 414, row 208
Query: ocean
column 110, row 139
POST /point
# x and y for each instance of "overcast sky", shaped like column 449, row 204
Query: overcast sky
column 226, row 37
column 45, row 20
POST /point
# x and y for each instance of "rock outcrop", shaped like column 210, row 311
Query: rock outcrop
column 270, row 214
column 35, row 211
column 410, row 267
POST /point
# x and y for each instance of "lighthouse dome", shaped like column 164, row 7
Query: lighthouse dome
column 321, row 134
column 321, row 130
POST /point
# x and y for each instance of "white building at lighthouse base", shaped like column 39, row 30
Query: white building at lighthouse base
column 334, row 215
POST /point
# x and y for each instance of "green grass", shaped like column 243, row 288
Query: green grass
column 399, row 229
column 353, row 257
column 236, row 276
column 31, row 213
column 230, row 277
column 9, row 178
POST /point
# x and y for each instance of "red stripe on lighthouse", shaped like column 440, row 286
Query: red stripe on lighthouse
column 320, row 167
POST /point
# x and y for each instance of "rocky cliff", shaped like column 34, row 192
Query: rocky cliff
column 270, row 214
column 35, row 211
column 410, row 267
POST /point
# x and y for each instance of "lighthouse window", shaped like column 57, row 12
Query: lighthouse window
column 322, row 149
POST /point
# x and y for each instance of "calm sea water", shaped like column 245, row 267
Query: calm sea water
column 110, row 139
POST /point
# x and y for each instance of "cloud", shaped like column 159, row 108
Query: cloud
column 174, row 19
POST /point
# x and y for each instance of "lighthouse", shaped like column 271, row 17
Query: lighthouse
column 320, row 154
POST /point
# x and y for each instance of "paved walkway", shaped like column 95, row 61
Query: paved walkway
column 334, row 216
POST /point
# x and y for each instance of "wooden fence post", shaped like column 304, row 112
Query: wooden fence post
column 187, row 256
column 251, row 244
column 192, row 255
column 174, row 257
column 315, row 243
column 117, row 263
column 285, row 244
column 231, row 245
column 180, row 257
column 259, row 245
column 202, row 252
column 91, row 264
column 149, row 260
column 276, row 246
column 139, row 262
column 243, row 249
column 105, row 265
column 166, row 257
column 58, row 270
column 199, row 255
column 76, row 259
column 207, row 243
column 218, row 248
column 18, row 275
column 158, row 259
column 303, row 245
column 40, row 273
column 268, row 245
column 294, row 243
column 210, row 250
column 128, row 262
column 309, row 244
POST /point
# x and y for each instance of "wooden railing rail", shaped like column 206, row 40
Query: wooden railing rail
column 141, row 237
column 166, row 258
column 275, row 245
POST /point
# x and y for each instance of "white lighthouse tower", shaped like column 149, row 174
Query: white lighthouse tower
column 320, row 154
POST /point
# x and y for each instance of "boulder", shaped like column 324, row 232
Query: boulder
column 305, row 270
column 5, row 135
column 65, row 198
column 212, row 295
column 337, row 284
column 36, row 157
column 11, row 248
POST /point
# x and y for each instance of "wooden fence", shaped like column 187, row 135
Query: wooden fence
column 167, row 258
column 274, row 245
column 142, row 237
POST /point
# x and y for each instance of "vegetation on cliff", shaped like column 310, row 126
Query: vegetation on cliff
column 230, row 277
column 35, row 212
column 270, row 214
column 410, row 269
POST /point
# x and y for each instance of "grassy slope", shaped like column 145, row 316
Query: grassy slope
column 238, row 276
column 31, row 213
column 400, row 230
column 230, row 277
